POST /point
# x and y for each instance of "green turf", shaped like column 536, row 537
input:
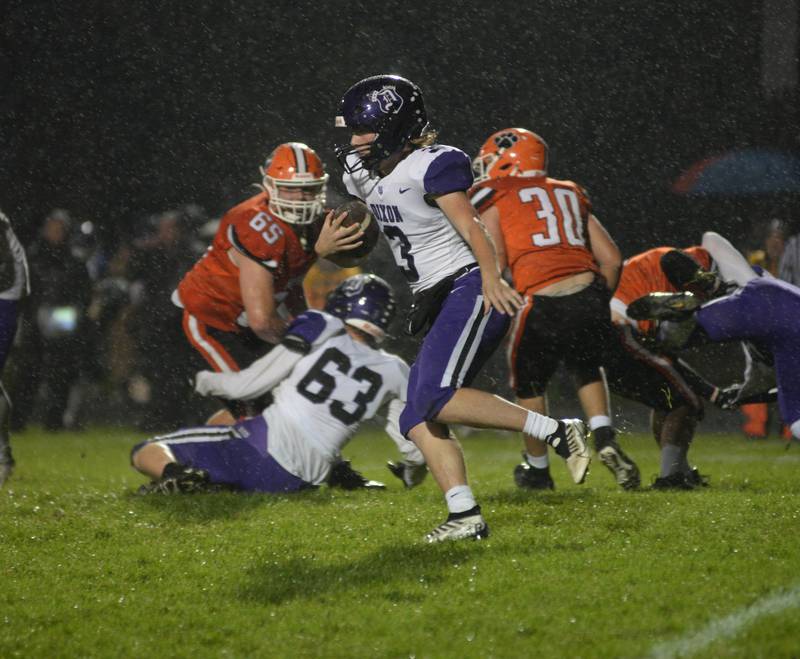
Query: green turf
column 89, row 569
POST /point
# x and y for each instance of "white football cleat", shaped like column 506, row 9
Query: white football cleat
column 462, row 528
column 579, row 455
column 625, row 471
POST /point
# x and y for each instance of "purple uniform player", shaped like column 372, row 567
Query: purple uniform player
column 326, row 376
column 746, row 307
column 14, row 284
column 416, row 190
column 765, row 310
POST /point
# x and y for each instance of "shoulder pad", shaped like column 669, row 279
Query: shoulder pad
column 448, row 171
column 482, row 197
column 309, row 328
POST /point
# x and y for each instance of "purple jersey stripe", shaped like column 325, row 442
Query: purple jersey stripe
column 307, row 326
column 449, row 172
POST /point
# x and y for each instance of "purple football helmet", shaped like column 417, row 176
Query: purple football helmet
column 365, row 302
column 387, row 105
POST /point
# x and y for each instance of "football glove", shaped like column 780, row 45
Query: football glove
column 727, row 398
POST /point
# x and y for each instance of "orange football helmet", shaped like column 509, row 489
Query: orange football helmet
column 295, row 179
column 511, row 152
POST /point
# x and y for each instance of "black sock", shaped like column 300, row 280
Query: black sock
column 475, row 510
column 560, row 438
column 172, row 469
column 603, row 436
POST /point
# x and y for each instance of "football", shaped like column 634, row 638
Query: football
column 357, row 213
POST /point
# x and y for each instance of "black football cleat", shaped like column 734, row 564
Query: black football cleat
column 697, row 479
column 344, row 476
column 180, row 479
column 676, row 481
column 529, row 477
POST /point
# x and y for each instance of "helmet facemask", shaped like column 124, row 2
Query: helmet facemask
column 295, row 168
column 392, row 108
column 296, row 211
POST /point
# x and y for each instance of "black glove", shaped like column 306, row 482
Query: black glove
column 727, row 398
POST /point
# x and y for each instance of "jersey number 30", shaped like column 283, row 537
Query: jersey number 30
column 318, row 384
column 568, row 209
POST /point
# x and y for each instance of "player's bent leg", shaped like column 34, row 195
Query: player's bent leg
column 677, row 430
column 594, row 400
column 151, row 458
column 483, row 410
column 445, row 461
column 442, row 452
column 234, row 457
column 533, row 473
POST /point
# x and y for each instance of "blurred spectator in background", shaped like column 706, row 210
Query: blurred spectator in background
column 769, row 256
column 789, row 265
column 156, row 264
column 770, row 252
column 54, row 341
column 14, row 285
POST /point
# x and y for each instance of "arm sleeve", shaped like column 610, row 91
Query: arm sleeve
column 449, row 172
column 732, row 265
column 255, row 380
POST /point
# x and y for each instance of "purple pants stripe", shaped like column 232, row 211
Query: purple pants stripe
column 453, row 352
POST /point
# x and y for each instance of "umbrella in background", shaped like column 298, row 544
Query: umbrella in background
column 742, row 172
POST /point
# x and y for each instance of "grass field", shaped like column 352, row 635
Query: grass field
column 89, row 569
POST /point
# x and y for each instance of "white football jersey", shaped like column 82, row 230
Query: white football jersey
column 322, row 396
column 425, row 245
column 14, row 269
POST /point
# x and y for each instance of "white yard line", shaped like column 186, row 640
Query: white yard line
column 727, row 627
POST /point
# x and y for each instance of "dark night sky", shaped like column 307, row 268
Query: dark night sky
column 116, row 110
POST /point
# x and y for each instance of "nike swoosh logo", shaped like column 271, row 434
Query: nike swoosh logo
column 402, row 191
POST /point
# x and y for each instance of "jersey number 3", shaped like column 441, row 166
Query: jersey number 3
column 569, row 211
column 318, row 385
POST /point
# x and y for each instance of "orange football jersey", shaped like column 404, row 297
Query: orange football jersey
column 544, row 226
column 210, row 290
column 642, row 274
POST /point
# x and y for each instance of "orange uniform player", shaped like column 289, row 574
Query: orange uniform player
column 232, row 297
column 544, row 227
column 564, row 262
column 642, row 274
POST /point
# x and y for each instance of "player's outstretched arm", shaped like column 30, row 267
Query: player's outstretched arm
column 732, row 265
column 496, row 292
column 255, row 380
